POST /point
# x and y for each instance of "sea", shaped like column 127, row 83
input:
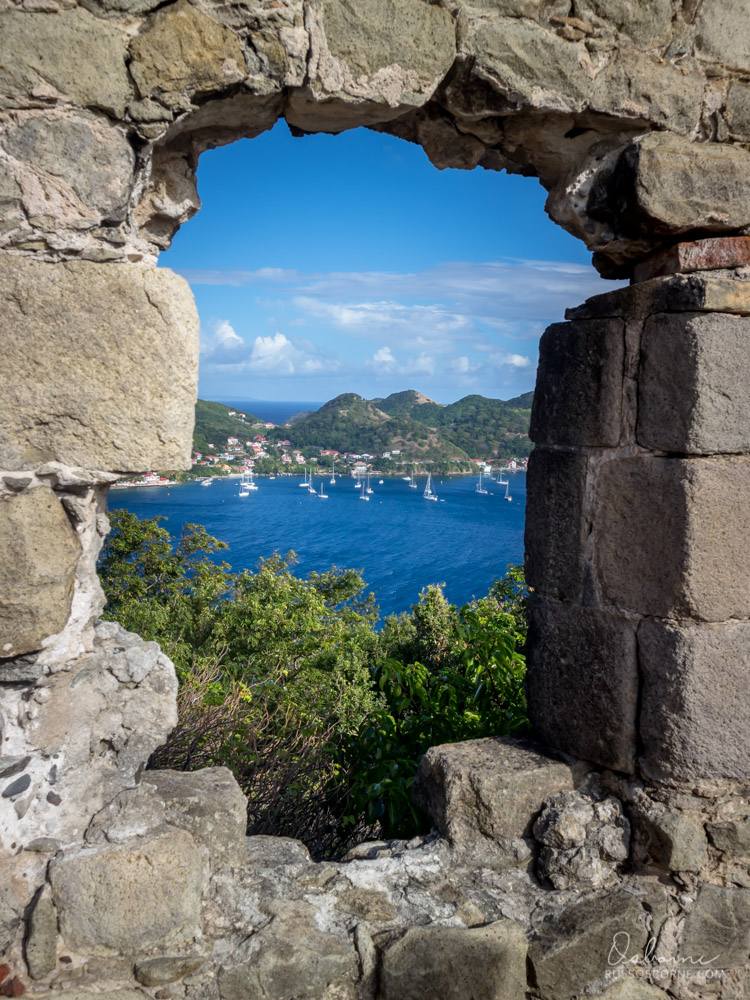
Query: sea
column 398, row 540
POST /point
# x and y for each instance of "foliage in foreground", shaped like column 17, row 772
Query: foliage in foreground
column 322, row 715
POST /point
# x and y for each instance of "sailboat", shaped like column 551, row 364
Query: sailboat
column 207, row 481
column 479, row 488
column 252, row 485
column 311, row 486
column 304, row 482
column 333, row 472
column 412, row 482
column 244, row 485
column 428, row 494
column 358, row 484
column 363, row 495
column 507, row 495
column 368, row 489
column 322, row 495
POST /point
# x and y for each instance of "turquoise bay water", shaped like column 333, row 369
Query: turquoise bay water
column 400, row 541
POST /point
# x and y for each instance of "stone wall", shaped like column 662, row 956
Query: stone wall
column 123, row 883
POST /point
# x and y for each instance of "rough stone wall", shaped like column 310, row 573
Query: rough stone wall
column 124, row 883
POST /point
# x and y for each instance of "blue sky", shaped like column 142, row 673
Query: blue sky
column 329, row 264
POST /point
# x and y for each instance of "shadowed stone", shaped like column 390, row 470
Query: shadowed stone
column 717, row 929
column 490, row 788
column 110, row 324
column 554, row 534
column 670, row 536
column 700, row 255
column 672, row 839
column 160, row 971
column 40, row 553
column 41, row 940
column 579, row 385
column 692, row 384
column 695, row 720
column 453, row 963
column 582, row 682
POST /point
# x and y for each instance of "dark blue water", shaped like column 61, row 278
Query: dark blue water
column 400, row 541
column 269, row 410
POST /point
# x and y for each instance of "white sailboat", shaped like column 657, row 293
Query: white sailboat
column 207, row 481
column 304, row 482
column 333, row 472
column 311, row 486
column 507, row 495
column 363, row 496
column 252, row 485
column 244, row 485
column 358, row 484
column 322, row 495
column 428, row 494
column 369, row 489
column 479, row 488
column 412, row 481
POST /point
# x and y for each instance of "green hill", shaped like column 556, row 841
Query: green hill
column 213, row 425
column 418, row 427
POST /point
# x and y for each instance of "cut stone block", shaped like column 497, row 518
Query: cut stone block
column 574, row 949
column 695, row 715
column 491, row 788
column 210, row 805
column 717, row 929
column 41, row 940
column 693, row 383
column 579, row 384
column 554, row 536
column 677, row 293
column 699, row 255
column 731, row 837
column 100, row 366
column 40, row 553
column 453, row 963
column 673, row 839
column 671, row 536
column 582, row 682
column 132, row 898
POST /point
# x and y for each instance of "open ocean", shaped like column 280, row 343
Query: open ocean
column 400, row 541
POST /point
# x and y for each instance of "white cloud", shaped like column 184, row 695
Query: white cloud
column 225, row 351
column 509, row 360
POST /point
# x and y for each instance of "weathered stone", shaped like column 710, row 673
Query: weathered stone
column 514, row 56
column 272, row 852
column 672, row 839
column 670, row 536
column 692, row 384
column 573, row 950
column 160, row 971
column 10, row 917
column 183, row 49
column 40, row 553
column 668, row 185
column 98, row 893
column 210, row 805
column 289, row 957
column 554, row 534
column 579, row 385
column 366, row 904
column 75, row 994
column 646, row 24
column 714, row 252
column 691, row 674
column 73, row 168
column 41, row 939
column 633, row 988
column 107, row 416
column 731, row 837
column 17, row 787
column 37, row 51
column 582, row 682
column 450, row 963
column 371, row 62
column 13, row 765
column 534, row 10
column 738, row 109
column 21, row 670
column 717, row 929
column 722, row 37
column 676, row 293
column 491, row 788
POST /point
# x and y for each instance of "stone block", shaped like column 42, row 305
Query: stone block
column 108, row 354
column 582, row 682
column 554, row 537
column 714, row 252
column 132, row 898
column 631, row 988
column 40, row 948
column 643, row 25
column 738, row 109
column 491, row 788
column 670, row 838
column 717, row 929
column 675, row 293
column 453, row 963
column 182, row 49
column 37, row 53
column 731, row 837
column 161, row 971
column 667, row 185
column 695, row 716
column 693, row 383
column 670, row 536
column 573, row 949
column 721, row 36
column 289, row 957
column 210, row 805
column 579, row 384
column 40, row 553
